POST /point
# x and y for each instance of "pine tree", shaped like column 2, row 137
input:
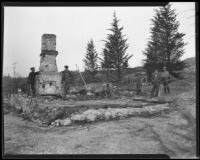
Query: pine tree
column 90, row 60
column 105, row 62
column 166, row 44
column 114, row 54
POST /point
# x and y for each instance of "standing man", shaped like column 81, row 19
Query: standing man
column 156, row 83
column 32, row 82
column 66, row 80
column 166, row 77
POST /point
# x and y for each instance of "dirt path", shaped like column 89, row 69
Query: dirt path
column 123, row 136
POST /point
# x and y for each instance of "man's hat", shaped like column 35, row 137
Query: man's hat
column 32, row 68
column 66, row 66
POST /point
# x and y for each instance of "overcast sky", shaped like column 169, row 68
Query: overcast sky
column 75, row 26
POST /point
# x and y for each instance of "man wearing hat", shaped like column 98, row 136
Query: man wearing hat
column 32, row 81
column 66, row 80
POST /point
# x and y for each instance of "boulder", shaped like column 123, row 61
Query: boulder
column 108, row 115
column 65, row 122
column 78, row 117
column 101, row 113
column 53, row 124
column 91, row 117
column 54, row 115
column 57, row 121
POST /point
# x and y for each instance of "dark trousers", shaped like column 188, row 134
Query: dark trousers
column 139, row 88
column 155, row 89
column 166, row 87
column 32, row 89
column 66, row 87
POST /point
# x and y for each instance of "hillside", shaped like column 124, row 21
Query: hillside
column 190, row 61
column 190, row 64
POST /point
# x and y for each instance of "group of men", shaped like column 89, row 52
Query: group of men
column 160, row 78
column 156, row 79
column 66, row 78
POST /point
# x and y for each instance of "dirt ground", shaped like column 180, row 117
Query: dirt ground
column 172, row 133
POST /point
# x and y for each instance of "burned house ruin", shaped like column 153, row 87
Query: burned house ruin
column 49, row 80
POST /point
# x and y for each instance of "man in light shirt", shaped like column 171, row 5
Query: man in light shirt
column 156, row 78
column 166, row 77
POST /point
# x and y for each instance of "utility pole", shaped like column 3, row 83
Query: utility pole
column 9, row 80
column 13, row 82
column 14, row 67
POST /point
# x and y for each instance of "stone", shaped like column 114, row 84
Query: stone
column 57, row 124
column 90, row 94
column 78, row 118
column 91, row 117
column 57, row 121
column 53, row 124
column 66, row 122
column 101, row 114
column 108, row 115
column 52, row 116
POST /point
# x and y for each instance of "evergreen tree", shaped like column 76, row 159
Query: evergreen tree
column 90, row 60
column 114, row 53
column 105, row 62
column 166, row 44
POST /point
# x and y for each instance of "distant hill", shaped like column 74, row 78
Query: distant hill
column 190, row 62
column 190, row 71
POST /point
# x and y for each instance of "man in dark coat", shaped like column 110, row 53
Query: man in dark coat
column 32, row 81
column 66, row 80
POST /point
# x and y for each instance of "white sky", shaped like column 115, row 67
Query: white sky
column 75, row 26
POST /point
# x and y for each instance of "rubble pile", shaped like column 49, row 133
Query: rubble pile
column 57, row 112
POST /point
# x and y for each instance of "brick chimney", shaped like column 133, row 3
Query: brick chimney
column 49, row 80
